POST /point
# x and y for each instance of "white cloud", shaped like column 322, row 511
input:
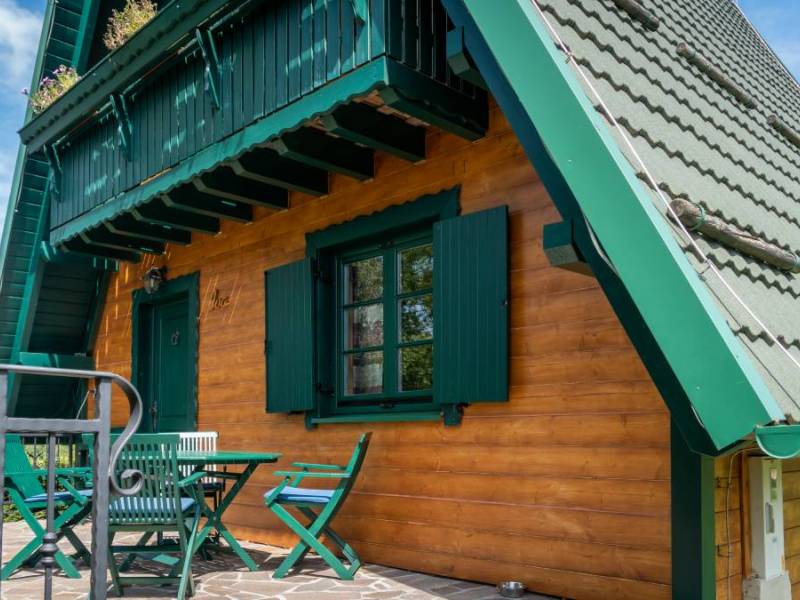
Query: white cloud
column 20, row 28
column 19, row 37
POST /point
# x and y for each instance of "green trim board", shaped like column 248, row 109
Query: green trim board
column 184, row 287
column 508, row 42
column 694, row 548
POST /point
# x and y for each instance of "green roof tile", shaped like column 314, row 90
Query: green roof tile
column 703, row 144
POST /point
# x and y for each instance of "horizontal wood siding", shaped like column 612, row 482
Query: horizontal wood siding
column 565, row 487
column 280, row 53
column 736, row 505
column 791, row 521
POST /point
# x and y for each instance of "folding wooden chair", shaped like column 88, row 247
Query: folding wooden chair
column 319, row 506
column 161, row 505
column 27, row 494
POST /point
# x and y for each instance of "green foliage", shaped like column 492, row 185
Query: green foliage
column 51, row 88
column 124, row 23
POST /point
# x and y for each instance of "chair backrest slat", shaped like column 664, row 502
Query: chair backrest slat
column 353, row 466
column 155, row 456
column 19, row 466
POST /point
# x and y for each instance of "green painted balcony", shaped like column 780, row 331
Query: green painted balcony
column 215, row 107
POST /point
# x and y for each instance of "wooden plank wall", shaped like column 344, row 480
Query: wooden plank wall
column 565, row 487
column 739, row 515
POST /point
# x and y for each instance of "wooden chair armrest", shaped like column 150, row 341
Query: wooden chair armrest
column 192, row 479
column 305, row 466
column 304, row 474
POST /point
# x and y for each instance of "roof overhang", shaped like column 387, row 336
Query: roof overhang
column 714, row 393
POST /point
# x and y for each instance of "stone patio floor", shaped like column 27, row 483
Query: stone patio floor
column 224, row 576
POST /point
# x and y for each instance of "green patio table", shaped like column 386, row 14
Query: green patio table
column 200, row 461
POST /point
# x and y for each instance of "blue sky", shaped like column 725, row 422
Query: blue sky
column 20, row 24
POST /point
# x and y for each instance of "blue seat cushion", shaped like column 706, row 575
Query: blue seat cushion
column 58, row 496
column 302, row 495
column 138, row 505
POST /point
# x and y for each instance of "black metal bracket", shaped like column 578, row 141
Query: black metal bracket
column 119, row 108
column 208, row 49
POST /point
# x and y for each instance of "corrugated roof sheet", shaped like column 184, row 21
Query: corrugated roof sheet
column 703, row 144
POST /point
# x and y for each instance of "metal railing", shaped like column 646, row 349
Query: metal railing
column 104, row 472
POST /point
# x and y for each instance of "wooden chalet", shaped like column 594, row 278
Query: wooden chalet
column 458, row 224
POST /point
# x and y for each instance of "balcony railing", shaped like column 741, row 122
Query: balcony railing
column 104, row 472
column 196, row 90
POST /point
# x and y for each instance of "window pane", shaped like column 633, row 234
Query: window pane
column 416, row 268
column 364, row 326
column 364, row 373
column 416, row 368
column 416, row 318
column 363, row 280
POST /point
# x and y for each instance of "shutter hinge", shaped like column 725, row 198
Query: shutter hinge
column 325, row 391
column 319, row 274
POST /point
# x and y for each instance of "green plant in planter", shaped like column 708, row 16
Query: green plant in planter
column 124, row 23
column 51, row 87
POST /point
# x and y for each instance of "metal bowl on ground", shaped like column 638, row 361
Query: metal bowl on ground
column 511, row 589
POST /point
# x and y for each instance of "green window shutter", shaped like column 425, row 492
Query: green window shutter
column 290, row 337
column 470, row 293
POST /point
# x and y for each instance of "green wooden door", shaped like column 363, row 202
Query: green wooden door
column 170, row 389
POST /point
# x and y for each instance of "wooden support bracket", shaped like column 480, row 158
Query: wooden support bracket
column 120, row 110
column 51, row 154
column 126, row 224
column 562, row 250
column 460, row 60
column 208, row 49
column 364, row 125
column 81, row 247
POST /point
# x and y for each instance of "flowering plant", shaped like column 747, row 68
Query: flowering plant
column 124, row 23
column 51, row 87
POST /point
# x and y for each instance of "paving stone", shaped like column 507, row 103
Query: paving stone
column 225, row 578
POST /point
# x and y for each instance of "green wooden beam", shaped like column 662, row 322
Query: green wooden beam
column 561, row 248
column 30, row 301
column 508, row 42
column 415, row 94
column 86, row 29
column 317, row 149
column 190, row 199
column 81, row 247
column 266, row 165
column 224, row 182
column 159, row 213
column 126, row 224
column 101, row 236
column 54, row 256
column 56, row 361
column 460, row 60
column 694, row 549
column 364, row 125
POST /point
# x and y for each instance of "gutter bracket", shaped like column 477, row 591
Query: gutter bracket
column 208, row 49
column 51, row 154
column 124, row 126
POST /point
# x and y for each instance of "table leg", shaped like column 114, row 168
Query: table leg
column 214, row 519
